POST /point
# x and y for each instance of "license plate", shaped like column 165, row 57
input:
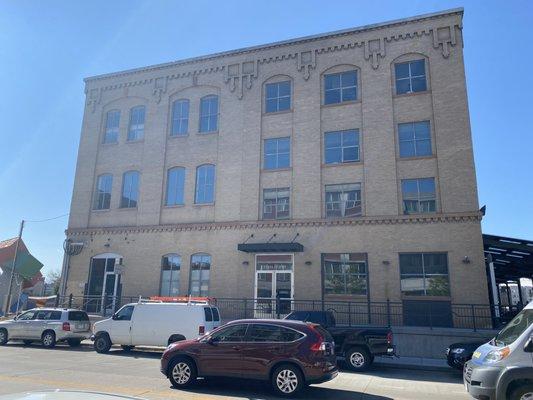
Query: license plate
column 476, row 354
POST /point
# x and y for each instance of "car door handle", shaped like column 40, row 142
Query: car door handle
column 237, row 348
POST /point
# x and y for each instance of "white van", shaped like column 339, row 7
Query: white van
column 154, row 324
column 503, row 367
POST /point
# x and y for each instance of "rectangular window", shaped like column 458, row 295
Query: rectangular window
column 170, row 275
column 180, row 118
column 410, row 76
column 277, row 153
column 343, row 200
column 130, row 190
column 136, row 128
column 102, row 197
column 424, row 274
column 276, row 203
column 415, row 139
column 340, row 87
column 345, row 273
column 419, row 196
column 209, row 114
column 341, row 146
column 205, row 184
column 111, row 126
column 278, row 96
column 175, row 186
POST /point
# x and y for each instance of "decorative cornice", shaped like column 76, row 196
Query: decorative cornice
column 239, row 75
column 238, row 225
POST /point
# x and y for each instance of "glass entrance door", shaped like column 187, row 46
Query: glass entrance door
column 103, row 284
column 274, row 285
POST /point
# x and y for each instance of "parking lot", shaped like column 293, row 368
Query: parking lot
column 26, row 368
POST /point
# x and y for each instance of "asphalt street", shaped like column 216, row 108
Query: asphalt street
column 28, row 368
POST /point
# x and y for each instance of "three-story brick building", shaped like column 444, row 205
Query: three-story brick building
column 337, row 166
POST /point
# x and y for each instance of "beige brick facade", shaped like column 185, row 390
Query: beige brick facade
column 144, row 234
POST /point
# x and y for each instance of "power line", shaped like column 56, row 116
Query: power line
column 48, row 219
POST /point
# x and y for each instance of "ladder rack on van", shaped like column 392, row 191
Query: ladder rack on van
column 184, row 299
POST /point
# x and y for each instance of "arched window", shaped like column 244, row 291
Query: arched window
column 175, row 186
column 170, row 275
column 180, row 118
column 278, row 96
column 136, row 128
column 112, row 123
column 102, row 195
column 205, row 184
column 130, row 189
column 209, row 113
column 200, row 267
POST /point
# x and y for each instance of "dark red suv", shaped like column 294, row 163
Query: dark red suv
column 289, row 354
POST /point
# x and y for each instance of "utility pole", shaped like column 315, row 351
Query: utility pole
column 8, row 299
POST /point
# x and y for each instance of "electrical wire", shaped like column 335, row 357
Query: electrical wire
column 48, row 219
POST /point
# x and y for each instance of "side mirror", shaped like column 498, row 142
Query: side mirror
column 528, row 347
column 16, row 318
column 114, row 317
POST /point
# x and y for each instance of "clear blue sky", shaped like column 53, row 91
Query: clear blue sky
column 48, row 47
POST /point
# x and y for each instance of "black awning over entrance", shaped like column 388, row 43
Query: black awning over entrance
column 512, row 258
column 290, row 247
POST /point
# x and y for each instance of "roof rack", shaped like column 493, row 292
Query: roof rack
column 183, row 299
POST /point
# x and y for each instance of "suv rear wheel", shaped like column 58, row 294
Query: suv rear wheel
column 182, row 372
column 358, row 359
column 102, row 343
column 287, row 380
column 49, row 339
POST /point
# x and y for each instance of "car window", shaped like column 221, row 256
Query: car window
column 124, row 314
column 54, row 316
column 234, row 333
column 42, row 315
column 26, row 316
column 208, row 314
column 216, row 315
column 325, row 334
column 272, row 333
column 78, row 316
column 515, row 328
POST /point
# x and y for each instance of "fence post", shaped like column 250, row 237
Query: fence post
column 388, row 313
column 430, row 318
column 368, row 311
column 350, row 313
column 57, row 300
column 70, row 300
column 473, row 317
column 245, row 308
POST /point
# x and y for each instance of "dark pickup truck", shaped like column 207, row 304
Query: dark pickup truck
column 357, row 345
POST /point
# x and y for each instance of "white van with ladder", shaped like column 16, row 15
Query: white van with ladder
column 155, row 323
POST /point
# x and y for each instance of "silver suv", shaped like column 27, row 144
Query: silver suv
column 48, row 325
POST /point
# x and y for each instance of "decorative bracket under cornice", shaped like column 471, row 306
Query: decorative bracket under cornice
column 444, row 37
column 374, row 49
column 240, row 76
column 95, row 97
column 160, row 87
column 306, row 62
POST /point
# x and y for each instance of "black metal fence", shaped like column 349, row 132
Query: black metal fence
column 422, row 313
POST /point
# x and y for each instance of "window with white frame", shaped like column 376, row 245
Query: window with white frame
column 170, row 275
column 205, row 184
column 424, row 274
column 180, row 118
column 277, row 96
column 419, row 195
column 130, row 189
column 209, row 114
column 343, row 200
column 345, row 273
column 136, row 128
column 410, row 76
column 277, row 153
column 414, row 139
column 200, row 269
column 340, row 87
column 341, row 146
column 112, row 126
column 175, row 186
column 102, row 196
column 276, row 203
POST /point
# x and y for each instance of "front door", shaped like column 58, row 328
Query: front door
column 103, row 284
column 273, row 285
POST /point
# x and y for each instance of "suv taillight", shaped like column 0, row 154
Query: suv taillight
column 201, row 330
column 66, row 326
column 320, row 344
column 389, row 337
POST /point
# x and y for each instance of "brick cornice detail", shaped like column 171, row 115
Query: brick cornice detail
column 240, row 225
